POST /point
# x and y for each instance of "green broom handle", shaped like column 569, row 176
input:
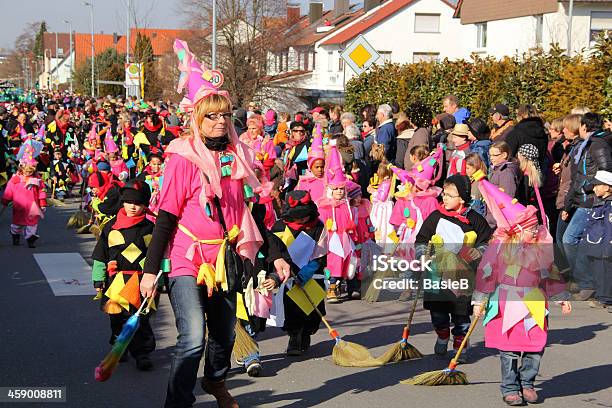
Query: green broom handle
column 453, row 362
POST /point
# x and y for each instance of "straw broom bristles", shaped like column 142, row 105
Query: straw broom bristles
column 244, row 345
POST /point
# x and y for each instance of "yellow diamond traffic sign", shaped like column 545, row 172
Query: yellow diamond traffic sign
column 360, row 55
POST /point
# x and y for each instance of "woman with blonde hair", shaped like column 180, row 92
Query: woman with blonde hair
column 203, row 210
column 531, row 175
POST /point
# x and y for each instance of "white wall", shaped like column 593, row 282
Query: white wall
column 517, row 36
column 396, row 35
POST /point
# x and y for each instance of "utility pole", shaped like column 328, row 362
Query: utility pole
column 214, row 34
column 127, row 43
column 93, row 51
column 56, row 63
column 569, row 28
column 71, row 52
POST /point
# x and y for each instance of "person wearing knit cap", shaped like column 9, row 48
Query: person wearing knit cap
column 531, row 175
column 313, row 180
column 299, row 217
column 203, row 216
column 515, row 277
column 598, row 232
column 26, row 191
column 460, row 236
column 117, row 263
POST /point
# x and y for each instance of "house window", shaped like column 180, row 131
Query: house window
column 425, row 57
column 600, row 21
column 385, row 56
column 481, row 35
column 330, row 61
column 539, row 29
column 340, row 64
column 286, row 59
column 426, row 23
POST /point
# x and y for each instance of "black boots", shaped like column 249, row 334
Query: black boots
column 15, row 239
column 294, row 348
column 31, row 241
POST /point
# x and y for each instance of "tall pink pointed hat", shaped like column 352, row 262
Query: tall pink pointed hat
column 316, row 148
column 334, row 174
column 40, row 135
column 403, row 175
column 428, row 171
column 196, row 80
column 109, row 144
column 28, row 153
column 506, row 210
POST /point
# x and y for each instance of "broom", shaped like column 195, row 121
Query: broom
column 244, row 345
column 450, row 375
column 79, row 218
column 110, row 362
column 344, row 352
column 373, row 294
column 53, row 202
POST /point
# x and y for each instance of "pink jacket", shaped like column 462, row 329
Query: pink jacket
column 28, row 197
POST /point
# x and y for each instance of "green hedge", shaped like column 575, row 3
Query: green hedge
column 553, row 82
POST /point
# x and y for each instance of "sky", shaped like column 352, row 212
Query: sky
column 109, row 15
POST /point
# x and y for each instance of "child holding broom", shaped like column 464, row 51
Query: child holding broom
column 118, row 259
column 456, row 224
column 517, row 275
column 27, row 192
column 301, row 239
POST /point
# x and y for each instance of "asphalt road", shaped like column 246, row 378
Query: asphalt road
column 50, row 340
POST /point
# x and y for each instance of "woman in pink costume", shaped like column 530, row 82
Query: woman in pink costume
column 380, row 188
column 205, row 226
column 517, row 275
column 254, row 131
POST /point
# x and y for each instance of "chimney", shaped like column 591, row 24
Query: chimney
column 315, row 11
column 370, row 4
column 293, row 13
column 115, row 38
column 340, row 7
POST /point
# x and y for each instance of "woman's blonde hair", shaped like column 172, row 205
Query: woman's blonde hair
column 23, row 168
column 384, row 171
column 212, row 103
column 571, row 122
column 530, row 170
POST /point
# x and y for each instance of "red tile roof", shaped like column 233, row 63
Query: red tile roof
column 303, row 33
column 63, row 43
column 382, row 12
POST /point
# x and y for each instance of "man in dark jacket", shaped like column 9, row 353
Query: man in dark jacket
column 529, row 131
column 593, row 154
column 386, row 134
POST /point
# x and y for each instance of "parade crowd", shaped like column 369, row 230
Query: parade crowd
column 227, row 209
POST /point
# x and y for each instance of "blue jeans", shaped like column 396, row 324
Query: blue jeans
column 515, row 378
column 193, row 312
column 560, row 257
column 571, row 240
column 442, row 320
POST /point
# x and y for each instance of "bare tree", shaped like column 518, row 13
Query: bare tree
column 246, row 31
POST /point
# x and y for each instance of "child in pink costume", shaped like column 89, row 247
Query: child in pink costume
column 313, row 181
column 340, row 222
column 380, row 188
column 418, row 199
column 517, row 275
column 27, row 192
column 118, row 166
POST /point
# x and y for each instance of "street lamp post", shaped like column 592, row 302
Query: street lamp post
column 71, row 52
column 214, row 34
column 85, row 3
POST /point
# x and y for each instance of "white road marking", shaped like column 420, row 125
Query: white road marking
column 67, row 273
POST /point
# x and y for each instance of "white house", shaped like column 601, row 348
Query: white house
column 502, row 30
column 401, row 31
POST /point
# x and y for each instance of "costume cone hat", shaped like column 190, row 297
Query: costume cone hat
column 334, row 174
column 402, row 175
column 506, row 210
column 40, row 135
column 28, row 154
column 316, row 149
column 195, row 79
column 109, row 143
column 424, row 172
